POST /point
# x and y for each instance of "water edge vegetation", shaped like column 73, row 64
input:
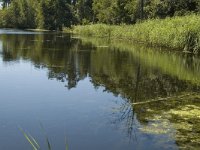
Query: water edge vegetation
column 175, row 33
column 172, row 24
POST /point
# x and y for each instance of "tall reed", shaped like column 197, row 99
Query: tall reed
column 176, row 33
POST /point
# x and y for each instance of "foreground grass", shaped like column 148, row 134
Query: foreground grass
column 34, row 144
column 176, row 33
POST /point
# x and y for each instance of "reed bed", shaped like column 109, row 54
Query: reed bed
column 175, row 33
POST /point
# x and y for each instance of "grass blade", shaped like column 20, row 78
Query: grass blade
column 31, row 140
column 48, row 143
column 47, row 140
column 66, row 145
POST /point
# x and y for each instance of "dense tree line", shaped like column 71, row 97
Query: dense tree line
column 46, row 14
column 54, row 14
column 129, row 11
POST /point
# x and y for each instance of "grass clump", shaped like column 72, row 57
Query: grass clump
column 99, row 30
column 34, row 144
column 176, row 33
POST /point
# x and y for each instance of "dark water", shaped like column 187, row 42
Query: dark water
column 96, row 93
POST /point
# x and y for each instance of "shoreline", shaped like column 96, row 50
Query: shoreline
column 179, row 33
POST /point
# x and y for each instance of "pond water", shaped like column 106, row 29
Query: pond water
column 96, row 94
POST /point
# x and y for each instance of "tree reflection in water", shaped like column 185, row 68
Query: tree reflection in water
column 137, row 74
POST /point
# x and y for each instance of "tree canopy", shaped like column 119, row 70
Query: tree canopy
column 55, row 14
column 45, row 14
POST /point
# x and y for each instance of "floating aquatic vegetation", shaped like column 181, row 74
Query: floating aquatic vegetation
column 179, row 120
column 161, row 126
column 187, row 112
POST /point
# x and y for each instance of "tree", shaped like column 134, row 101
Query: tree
column 83, row 10
column 116, row 11
column 105, row 11
column 54, row 14
column 127, row 11
column 164, row 8
column 6, row 3
column 19, row 14
column 47, row 14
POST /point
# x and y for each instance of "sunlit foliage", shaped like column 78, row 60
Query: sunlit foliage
column 54, row 14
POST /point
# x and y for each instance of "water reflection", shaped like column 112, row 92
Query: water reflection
column 155, row 85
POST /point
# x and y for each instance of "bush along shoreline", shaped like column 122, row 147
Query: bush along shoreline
column 175, row 33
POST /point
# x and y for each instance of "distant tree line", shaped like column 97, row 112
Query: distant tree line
column 44, row 14
column 129, row 11
column 55, row 14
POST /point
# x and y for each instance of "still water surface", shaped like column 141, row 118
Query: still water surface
column 98, row 94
